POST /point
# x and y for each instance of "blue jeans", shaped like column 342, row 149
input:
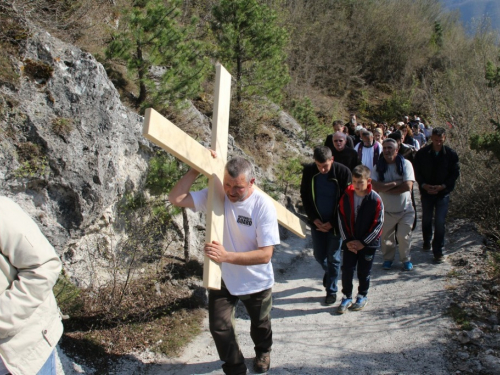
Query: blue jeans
column 326, row 247
column 440, row 205
column 49, row 368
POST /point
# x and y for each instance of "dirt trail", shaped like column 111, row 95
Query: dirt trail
column 403, row 329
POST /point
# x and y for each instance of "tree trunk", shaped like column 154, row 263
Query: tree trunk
column 187, row 236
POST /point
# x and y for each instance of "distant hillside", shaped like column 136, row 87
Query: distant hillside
column 476, row 9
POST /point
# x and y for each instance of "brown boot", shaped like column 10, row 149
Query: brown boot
column 262, row 362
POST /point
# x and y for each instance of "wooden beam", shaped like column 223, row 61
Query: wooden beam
column 215, row 206
column 287, row 219
column 169, row 137
column 163, row 133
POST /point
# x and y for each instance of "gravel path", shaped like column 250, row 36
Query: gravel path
column 403, row 329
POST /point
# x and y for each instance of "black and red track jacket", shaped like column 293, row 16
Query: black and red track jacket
column 368, row 227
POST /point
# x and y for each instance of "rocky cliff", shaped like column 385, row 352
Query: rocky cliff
column 70, row 149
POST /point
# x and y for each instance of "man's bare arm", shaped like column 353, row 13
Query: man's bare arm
column 218, row 253
column 401, row 188
column 179, row 195
column 383, row 187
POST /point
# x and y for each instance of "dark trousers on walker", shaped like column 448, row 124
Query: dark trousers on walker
column 439, row 205
column 221, row 308
column 364, row 261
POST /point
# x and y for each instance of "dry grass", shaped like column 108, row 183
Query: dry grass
column 161, row 313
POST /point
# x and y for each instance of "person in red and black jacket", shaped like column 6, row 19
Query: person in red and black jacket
column 361, row 217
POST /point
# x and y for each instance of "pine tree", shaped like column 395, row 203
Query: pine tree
column 150, row 36
column 304, row 113
column 251, row 45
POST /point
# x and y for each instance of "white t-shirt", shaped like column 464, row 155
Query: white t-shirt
column 394, row 203
column 248, row 225
column 367, row 155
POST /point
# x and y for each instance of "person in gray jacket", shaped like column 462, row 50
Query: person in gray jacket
column 30, row 323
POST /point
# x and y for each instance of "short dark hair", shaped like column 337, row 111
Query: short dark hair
column 238, row 165
column 366, row 133
column 338, row 122
column 322, row 154
column 361, row 171
column 397, row 135
column 439, row 131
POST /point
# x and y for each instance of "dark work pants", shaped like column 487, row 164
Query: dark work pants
column 364, row 260
column 439, row 205
column 221, row 308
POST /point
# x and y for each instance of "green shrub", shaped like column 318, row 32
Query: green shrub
column 67, row 295
column 289, row 174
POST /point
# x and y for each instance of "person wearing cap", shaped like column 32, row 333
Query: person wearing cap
column 437, row 169
column 30, row 322
column 393, row 180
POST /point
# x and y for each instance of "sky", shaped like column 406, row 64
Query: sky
column 471, row 10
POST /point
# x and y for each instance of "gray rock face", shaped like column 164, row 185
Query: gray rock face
column 82, row 172
column 88, row 168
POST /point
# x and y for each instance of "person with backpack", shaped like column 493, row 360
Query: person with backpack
column 393, row 180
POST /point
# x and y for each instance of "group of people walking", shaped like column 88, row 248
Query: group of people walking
column 358, row 195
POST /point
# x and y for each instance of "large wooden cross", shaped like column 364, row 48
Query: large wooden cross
column 163, row 133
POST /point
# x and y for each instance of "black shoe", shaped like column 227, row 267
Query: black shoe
column 330, row 299
column 439, row 259
column 426, row 247
column 262, row 362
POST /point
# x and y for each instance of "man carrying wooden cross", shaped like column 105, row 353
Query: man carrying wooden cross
column 250, row 233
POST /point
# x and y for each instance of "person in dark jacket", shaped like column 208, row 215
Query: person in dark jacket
column 338, row 126
column 340, row 152
column 361, row 217
column 323, row 183
column 436, row 171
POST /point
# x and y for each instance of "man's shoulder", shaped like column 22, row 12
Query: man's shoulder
column 340, row 168
column 407, row 163
column 351, row 151
column 261, row 197
column 424, row 150
column 346, row 151
column 309, row 167
column 450, row 150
